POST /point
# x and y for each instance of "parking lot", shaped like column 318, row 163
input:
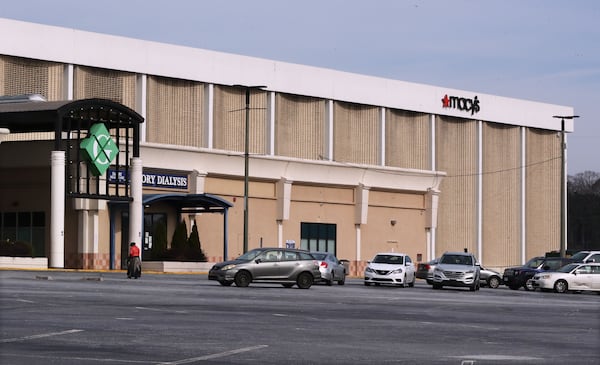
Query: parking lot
column 72, row 317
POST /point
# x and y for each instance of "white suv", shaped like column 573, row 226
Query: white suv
column 586, row 257
column 457, row 269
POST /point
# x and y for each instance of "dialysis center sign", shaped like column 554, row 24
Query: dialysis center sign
column 152, row 179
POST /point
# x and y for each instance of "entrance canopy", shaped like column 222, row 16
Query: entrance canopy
column 191, row 203
column 195, row 203
column 49, row 116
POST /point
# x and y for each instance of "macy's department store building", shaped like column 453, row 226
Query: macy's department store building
column 337, row 162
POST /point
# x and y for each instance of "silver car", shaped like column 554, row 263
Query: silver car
column 457, row 269
column 331, row 268
column 490, row 278
column 268, row 265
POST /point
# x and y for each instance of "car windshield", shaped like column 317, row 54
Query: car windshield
column 534, row 262
column 388, row 259
column 567, row 268
column 319, row 256
column 250, row 255
column 579, row 256
column 457, row 260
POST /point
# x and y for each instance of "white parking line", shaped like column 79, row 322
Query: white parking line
column 214, row 356
column 33, row 337
column 160, row 310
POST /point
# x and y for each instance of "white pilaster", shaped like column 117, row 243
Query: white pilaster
column 479, row 190
column 140, row 102
column 57, row 208
column 209, row 96
column 523, row 195
column 135, row 207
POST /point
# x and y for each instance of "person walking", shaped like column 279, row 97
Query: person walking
column 134, row 264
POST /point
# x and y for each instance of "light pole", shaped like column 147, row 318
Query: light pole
column 247, row 159
column 563, row 185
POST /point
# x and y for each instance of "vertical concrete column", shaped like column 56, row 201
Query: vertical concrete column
column 361, row 207
column 284, row 198
column 57, row 210
column 432, row 198
column 135, row 207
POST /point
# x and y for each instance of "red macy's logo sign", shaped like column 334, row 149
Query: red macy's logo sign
column 455, row 102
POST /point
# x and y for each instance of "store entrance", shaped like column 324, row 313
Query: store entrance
column 155, row 227
column 154, row 223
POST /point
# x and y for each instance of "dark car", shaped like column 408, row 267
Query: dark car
column 516, row 277
column 268, row 265
column 425, row 270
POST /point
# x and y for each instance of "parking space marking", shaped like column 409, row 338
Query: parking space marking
column 161, row 310
column 62, row 359
column 33, row 337
column 214, row 356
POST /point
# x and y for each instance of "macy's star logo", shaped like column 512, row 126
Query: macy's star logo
column 446, row 101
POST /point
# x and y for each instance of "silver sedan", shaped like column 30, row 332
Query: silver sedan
column 331, row 268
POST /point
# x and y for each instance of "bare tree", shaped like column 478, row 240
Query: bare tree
column 587, row 182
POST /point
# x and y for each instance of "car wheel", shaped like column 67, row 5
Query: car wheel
column 430, row 282
column 342, row 281
column 305, row 280
column 367, row 284
column 561, row 286
column 243, row 279
column 494, row 282
column 514, row 287
column 528, row 286
column 437, row 286
column 287, row 285
column 412, row 283
column 225, row 283
column 473, row 287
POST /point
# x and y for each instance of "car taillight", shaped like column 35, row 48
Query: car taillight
column 426, row 267
column 324, row 264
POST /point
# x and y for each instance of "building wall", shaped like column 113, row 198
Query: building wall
column 456, row 149
column 327, row 133
column 543, row 192
column 501, row 194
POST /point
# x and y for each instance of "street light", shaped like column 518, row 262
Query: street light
column 246, row 158
column 563, row 185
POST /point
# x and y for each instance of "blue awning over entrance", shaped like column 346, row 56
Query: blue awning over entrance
column 194, row 203
column 200, row 203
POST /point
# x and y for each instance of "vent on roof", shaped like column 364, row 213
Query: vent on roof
column 21, row 98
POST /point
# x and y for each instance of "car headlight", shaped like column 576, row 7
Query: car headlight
column 397, row 271
column 470, row 272
column 437, row 269
column 368, row 269
column 544, row 276
column 228, row 267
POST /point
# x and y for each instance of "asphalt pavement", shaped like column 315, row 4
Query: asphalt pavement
column 72, row 317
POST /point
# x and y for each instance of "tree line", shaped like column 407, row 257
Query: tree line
column 583, row 211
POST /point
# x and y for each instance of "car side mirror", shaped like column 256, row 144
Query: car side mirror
column 258, row 261
column 546, row 267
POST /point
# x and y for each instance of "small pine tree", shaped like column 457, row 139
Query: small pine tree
column 179, row 239
column 194, row 239
column 194, row 251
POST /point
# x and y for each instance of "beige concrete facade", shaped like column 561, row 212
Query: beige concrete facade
column 387, row 163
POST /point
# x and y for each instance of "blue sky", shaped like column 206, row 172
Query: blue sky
column 542, row 50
